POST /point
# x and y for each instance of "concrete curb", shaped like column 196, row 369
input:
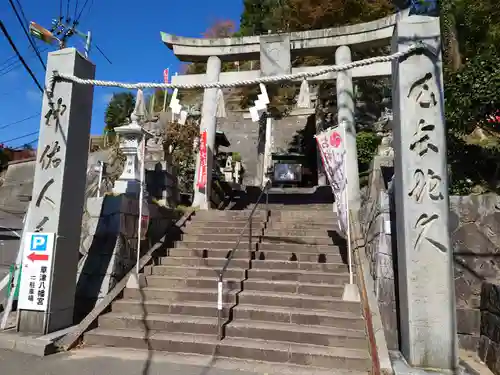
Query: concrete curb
column 27, row 344
column 40, row 346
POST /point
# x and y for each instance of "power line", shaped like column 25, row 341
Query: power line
column 20, row 137
column 26, row 32
column 19, row 121
column 26, row 143
column 26, row 23
column 14, row 65
column 81, row 11
column 102, row 53
column 14, row 57
column 67, row 10
column 6, row 33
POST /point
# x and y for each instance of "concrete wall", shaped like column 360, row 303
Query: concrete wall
column 475, row 237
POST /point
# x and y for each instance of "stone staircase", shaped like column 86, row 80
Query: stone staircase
column 282, row 299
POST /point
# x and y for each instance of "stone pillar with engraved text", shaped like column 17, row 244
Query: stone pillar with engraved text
column 425, row 258
column 59, row 186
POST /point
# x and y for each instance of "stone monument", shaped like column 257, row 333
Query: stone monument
column 425, row 257
column 59, row 186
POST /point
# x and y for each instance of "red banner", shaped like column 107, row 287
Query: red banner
column 202, row 172
column 165, row 75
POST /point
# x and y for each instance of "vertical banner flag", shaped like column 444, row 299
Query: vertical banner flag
column 165, row 75
column 331, row 144
column 202, row 171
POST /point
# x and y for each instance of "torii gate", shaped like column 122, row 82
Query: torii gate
column 275, row 52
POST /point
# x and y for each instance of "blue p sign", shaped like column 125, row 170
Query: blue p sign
column 39, row 242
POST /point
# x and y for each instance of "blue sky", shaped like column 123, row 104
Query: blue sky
column 128, row 31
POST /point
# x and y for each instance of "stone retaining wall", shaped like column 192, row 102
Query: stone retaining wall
column 109, row 245
column 489, row 342
column 475, row 239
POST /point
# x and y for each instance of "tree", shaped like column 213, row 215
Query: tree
column 178, row 144
column 256, row 17
column 119, row 109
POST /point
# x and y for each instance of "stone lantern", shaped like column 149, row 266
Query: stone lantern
column 131, row 138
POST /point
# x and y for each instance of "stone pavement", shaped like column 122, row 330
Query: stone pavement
column 111, row 361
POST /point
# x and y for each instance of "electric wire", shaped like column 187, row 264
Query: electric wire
column 81, row 11
column 14, row 47
column 20, row 137
column 26, row 32
column 19, row 121
column 14, row 64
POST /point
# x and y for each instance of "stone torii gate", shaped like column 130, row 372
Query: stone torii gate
column 275, row 52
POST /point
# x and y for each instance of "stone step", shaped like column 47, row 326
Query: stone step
column 204, row 262
column 298, row 276
column 305, row 276
column 287, row 232
column 218, row 223
column 172, row 282
column 178, row 294
column 264, row 245
column 160, row 322
column 252, row 349
column 303, row 225
column 301, row 215
column 228, row 215
column 254, row 264
column 211, row 253
column 312, row 289
column 201, row 244
column 257, row 230
column 298, row 316
column 296, row 248
column 305, row 254
column 296, row 333
column 216, row 237
column 301, row 301
column 300, row 240
column 301, row 255
column 192, row 308
column 268, row 238
column 294, row 288
column 163, row 270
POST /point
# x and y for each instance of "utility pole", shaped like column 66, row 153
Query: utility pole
column 61, row 31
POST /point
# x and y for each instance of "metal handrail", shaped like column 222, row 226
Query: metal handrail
column 233, row 251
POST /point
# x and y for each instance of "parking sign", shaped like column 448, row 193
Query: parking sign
column 36, row 271
column 39, row 242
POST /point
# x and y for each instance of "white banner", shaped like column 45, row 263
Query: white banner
column 331, row 144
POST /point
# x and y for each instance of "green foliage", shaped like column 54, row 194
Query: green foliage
column 236, row 156
column 256, row 18
column 367, row 144
column 473, row 94
column 119, row 109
